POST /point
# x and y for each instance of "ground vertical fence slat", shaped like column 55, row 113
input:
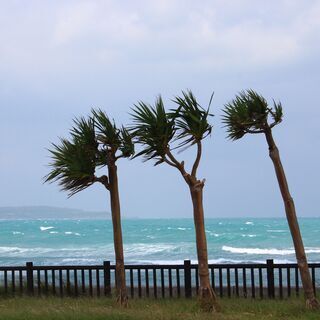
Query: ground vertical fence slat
column 259, row 281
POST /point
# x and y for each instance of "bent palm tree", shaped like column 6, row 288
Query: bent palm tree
column 95, row 142
column 155, row 130
column 249, row 112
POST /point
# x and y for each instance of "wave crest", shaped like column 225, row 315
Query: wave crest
column 269, row 251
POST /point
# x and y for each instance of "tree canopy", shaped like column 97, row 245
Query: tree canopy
column 160, row 131
column 94, row 142
column 249, row 112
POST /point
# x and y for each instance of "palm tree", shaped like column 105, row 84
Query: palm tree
column 156, row 130
column 95, row 142
column 249, row 112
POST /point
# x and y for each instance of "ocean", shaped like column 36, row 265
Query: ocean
column 152, row 241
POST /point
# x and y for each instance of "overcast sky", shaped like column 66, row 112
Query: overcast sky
column 58, row 59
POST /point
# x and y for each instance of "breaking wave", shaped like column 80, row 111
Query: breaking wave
column 271, row 251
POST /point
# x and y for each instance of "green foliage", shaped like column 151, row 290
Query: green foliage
column 83, row 132
column 248, row 113
column 153, row 128
column 107, row 132
column 127, row 146
column 191, row 119
column 277, row 113
column 111, row 139
column 73, row 162
column 93, row 143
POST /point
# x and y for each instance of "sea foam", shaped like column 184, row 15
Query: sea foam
column 46, row 228
column 271, row 251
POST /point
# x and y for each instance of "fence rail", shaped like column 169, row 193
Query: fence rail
column 267, row 280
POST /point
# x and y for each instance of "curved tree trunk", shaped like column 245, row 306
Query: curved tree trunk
column 121, row 288
column 208, row 299
column 311, row 301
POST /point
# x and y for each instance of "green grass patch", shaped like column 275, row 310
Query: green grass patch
column 25, row 308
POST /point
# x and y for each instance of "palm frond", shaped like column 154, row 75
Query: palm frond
column 153, row 129
column 72, row 166
column 111, row 139
column 191, row 119
column 277, row 113
column 248, row 112
column 127, row 144
column 83, row 133
column 107, row 132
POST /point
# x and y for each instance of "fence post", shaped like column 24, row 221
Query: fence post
column 270, row 278
column 107, row 276
column 29, row 267
column 187, row 279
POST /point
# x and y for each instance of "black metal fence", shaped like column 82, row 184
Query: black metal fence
column 267, row 280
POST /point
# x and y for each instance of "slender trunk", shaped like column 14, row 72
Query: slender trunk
column 311, row 301
column 121, row 288
column 208, row 299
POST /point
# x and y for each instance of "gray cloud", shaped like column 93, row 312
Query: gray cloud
column 215, row 34
column 60, row 58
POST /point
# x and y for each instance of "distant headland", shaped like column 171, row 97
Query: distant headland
column 47, row 212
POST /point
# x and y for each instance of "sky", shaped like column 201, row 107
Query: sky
column 59, row 59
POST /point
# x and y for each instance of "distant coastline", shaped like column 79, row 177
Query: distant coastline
column 49, row 213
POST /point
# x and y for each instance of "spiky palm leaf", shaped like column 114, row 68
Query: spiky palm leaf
column 153, row 129
column 191, row 119
column 111, row 139
column 248, row 113
column 127, row 144
column 74, row 162
column 277, row 113
column 107, row 132
column 92, row 140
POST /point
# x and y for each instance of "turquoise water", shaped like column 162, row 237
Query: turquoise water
column 54, row 242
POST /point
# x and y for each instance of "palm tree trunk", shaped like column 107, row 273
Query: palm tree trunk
column 311, row 301
column 208, row 299
column 121, row 288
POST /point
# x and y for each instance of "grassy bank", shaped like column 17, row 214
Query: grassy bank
column 93, row 309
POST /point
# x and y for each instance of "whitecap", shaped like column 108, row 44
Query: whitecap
column 17, row 232
column 53, row 232
column 249, row 223
column 79, row 260
column 271, row 251
column 142, row 249
column 57, row 252
column 74, row 233
column 46, row 228
column 157, row 262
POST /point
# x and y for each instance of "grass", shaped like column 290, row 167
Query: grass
column 24, row 308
